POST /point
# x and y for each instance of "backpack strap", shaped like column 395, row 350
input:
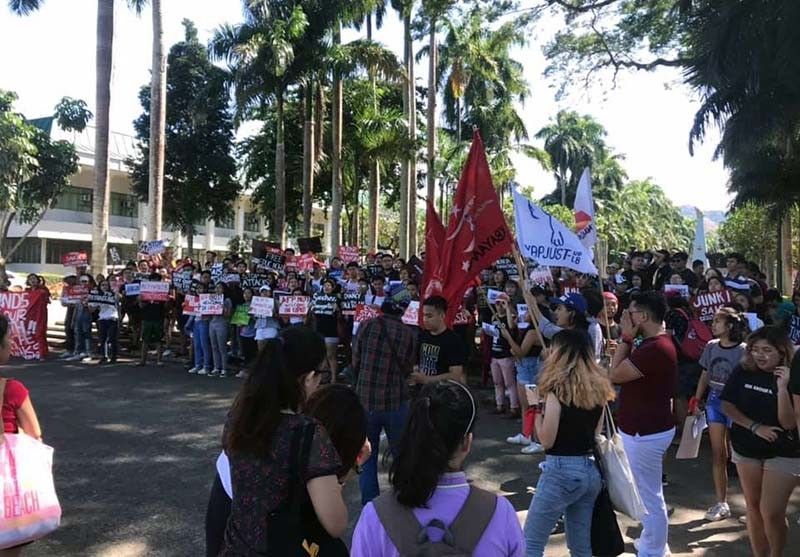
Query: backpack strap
column 399, row 522
column 473, row 518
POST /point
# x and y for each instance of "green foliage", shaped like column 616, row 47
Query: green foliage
column 749, row 230
column 200, row 172
column 73, row 114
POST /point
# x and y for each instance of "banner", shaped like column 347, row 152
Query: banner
column 349, row 254
column 74, row 294
column 682, row 289
column 262, row 307
column 154, row 291
column 294, row 306
column 706, row 305
column 75, row 259
column 27, row 314
column 584, row 211
column 411, row 315
column 153, row 247
column 211, row 304
column 191, row 305
column 547, row 241
column 132, row 289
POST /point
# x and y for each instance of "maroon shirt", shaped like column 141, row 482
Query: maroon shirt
column 645, row 405
column 14, row 396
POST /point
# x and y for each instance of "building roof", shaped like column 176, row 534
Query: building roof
column 121, row 146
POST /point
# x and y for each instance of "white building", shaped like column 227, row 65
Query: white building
column 68, row 226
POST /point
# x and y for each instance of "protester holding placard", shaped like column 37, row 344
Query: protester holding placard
column 82, row 323
column 267, row 326
column 153, row 314
column 326, row 311
column 247, row 331
column 218, row 333
column 130, row 305
column 105, row 301
column 201, row 342
column 503, row 369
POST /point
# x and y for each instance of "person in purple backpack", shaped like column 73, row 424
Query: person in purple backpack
column 432, row 509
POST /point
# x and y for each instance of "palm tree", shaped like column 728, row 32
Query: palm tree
column 158, row 119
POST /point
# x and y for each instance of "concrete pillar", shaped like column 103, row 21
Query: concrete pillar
column 142, row 218
column 43, row 254
column 210, row 229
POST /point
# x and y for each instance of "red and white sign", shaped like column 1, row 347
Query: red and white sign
column 463, row 317
column 261, row 306
column 154, row 291
column 411, row 315
column 191, row 305
column 293, row 306
column 211, row 304
column 75, row 259
column 27, row 313
column 706, row 305
column 74, row 294
column 306, row 262
column 349, row 254
column 291, row 263
column 364, row 313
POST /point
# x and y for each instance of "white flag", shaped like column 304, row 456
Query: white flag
column 699, row 245
column 547, row 241
column 585, row 226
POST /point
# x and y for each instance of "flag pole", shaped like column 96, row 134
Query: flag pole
column 529, row 299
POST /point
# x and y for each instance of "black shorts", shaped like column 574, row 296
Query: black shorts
column 688, row 378
column 217, row 513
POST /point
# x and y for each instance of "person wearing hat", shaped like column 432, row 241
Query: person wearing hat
column 569, row 313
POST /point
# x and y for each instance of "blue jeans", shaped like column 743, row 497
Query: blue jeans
column 569, row 485
column 202, row 344
column 393, row 422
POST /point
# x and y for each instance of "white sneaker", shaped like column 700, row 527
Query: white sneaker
column 533, row 448
column 194, row 370
column 167, row 353
column 223, row 373
column 718, row 512
column 241, row 375
column 667, row 551
column 519, row 439
column 213, row 373
column 203, row 371
column 86, row 360
column 75, row 357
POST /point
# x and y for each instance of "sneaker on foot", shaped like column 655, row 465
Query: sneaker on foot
column 66, row 355
column 667, row 551
column 718, row 512
column 167, row 353
column 86, row 359
column 203, row 371
column 519, row 439
column 533, row 448
column 194, row 370
column 241, row 375
column 213, row 373
column 223, row 373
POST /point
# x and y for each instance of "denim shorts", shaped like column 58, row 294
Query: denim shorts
column 527, row 370
column 714, row 413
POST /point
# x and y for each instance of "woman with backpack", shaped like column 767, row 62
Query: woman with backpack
column 719, row 359
column 430, row 489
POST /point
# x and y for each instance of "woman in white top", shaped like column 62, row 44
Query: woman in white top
column 105, row 300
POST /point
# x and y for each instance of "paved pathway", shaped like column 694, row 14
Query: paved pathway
column 135, row 451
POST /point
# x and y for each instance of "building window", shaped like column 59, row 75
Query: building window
column 124, row 205
column 75, row 199
column 30, row 251
column 226, row 222
column 57, row 248
column 251, row 222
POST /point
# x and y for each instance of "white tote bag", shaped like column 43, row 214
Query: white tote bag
column 617, row 471
column 29, row 508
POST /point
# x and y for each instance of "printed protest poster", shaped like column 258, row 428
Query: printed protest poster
column 182, row 281
column 153, row 247
column 463, row 317
column 241, row 315
column 254, row 280
column 102, row 298
column 75, row 259
column 294, row 306
column 27, row 315
column 114, row 254
column 349, row 254
column 706, row 305
column 540, row 275
column 364, row 313
column 211, row 304
column 262, row 307
column 191, row 305
column 217, row 270
column 306, row 262
column 682, row 289
column 230, row 278
column 74, row 294
column 509, row 266
column 794, row 329
column 411, row 315
column 154, row 291
column 350, row 300
column 291, row 264
column 132, row 288
column 522, row 313
column 493, row 295
column 490, row 330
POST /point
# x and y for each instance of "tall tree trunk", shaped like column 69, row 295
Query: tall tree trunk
column 786, row 254
column 308, row 156
column 374, row 167
column 279, row 224
column 190, row 240
column 411, row 183
column 336, row 163
column 102, row 193
column 432, row 110
column 405, row 165
column 158, row 118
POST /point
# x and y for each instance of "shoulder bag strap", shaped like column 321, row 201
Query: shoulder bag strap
column 473, row 518
column 301, row 447
column 398, row 521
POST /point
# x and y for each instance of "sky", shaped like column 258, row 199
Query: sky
column 51, row 54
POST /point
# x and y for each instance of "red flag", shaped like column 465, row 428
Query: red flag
column 434, row 239
column 477, row 234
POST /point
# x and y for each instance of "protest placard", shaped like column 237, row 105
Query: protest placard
column 350, row 300
column 270, row 262
column 114, row 254
column 105, row 298
column 463, row 317
column 508, row 265
column 310, row 245
column 291, row 264
column 132, row 289
column 191, row 305
column 306, row 262
column 182, row 281
column 492, row 295
column 230, row 278
column 261, row 247
column 211, row 304
column 71, row 295
column 27, row 318
column 706, row 305
column 262, row 307
column 490, row 330
column 540, row 275
column 349, row 254
column 75, row 259
column 254, row 281
column 522, row 312
column 753, row 321
column 241, row 315
column 293, row 306
column 154, row 291
column 217, row 270
column 794, row 329
column 411, row 315
column 681, row 289
column 363, row 313
column 153, row 247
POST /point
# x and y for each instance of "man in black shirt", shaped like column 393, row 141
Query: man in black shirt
column 678, row 263
column 442, row 354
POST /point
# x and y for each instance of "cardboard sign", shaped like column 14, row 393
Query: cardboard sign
column 463, row 317
column 270, row 262
column 349, row 254
column 262, row 307
column 230, row 278
column 682, row 289
column 211, row 304
column 154, row 247
column 75, row 259
column 692, row 435
column 306, row 262
column 310, row 245
column 191, row 305
column 132, row 289
column 114, row 254
column 706, row 305
column 522, row 312
column 27, row 316
column 411, row 315
column 294, row 306
column 71, row 295
column 241, row 315
column 794, row 329
column 254, row 281
column 182, row 281
column 350, row 299
column 217, row 270
column 108, row 298
column 154, row 291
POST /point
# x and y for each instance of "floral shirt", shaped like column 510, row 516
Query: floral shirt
column 261, row 485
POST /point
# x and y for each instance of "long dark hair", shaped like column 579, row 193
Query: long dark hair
column 439, row 419
column 339, row 410
column 774, row 336
column 274, row 384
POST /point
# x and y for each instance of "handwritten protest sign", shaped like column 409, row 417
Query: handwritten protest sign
column 153, row 247
column 74, row 294
column 411, row 315
column 363, row 313
column 270, row 262
column 132, row 289
column 682, row 289
column 75, row 259
column 349, row 254
column 294, row 306
column 211, row 304
column 241, row 315
column 27, row 316
column 154, row 291
column 262, row 307
column 463, row 317
column 191, row 305
column 217, row 270
column 254, row 281
column 306, row 262
column 706, row 305
column 182, row 281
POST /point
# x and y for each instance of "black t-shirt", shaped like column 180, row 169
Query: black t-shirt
column 500, row 346
column 153, row 311
column 794, row 377
column 576, row 428
column 755, row 394
column 438, row 353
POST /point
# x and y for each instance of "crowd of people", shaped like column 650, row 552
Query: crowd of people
column 651, row 342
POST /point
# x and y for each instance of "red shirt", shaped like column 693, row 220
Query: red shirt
column 645, row 405
column 15, row 394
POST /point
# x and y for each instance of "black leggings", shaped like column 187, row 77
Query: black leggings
column 219, row 509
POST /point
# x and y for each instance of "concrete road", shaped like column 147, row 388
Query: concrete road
column 135, row 451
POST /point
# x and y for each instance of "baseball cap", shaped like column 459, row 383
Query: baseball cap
column 572, row 301
column 610, row 296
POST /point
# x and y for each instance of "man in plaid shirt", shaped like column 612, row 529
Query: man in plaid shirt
column 384, row 352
